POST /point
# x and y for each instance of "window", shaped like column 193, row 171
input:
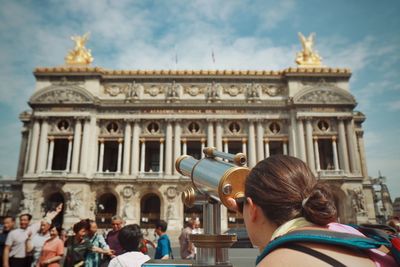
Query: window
column 60, row 155
column 152, row 161
column 194, row 149
column 110, row 156
column 323, row 125
column 274, row 128
column 234, row 127
column 193, row 127
column 153, row 128
column 149, row 210
column 275, row 148
column 325, row 154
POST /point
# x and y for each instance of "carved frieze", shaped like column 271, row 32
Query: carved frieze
column 233, row 90
column 61, row 95
column 273, row 90
column 323, row 96
column 154, row 90
column 194, row 90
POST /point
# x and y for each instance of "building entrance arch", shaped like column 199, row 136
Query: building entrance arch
column 51, row 203
column 150, row 206
column 106, row 208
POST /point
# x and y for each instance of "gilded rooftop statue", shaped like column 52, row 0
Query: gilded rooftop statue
column 80, row 55
column 308, row 57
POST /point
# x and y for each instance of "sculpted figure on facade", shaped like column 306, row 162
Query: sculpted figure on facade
column 357, row 201
column 75, row 202
column 28, row 203
column 213, row 92
column 80, row 55
column 132, row 91
column 253, row 91
column 173, row 91
column 308, row 57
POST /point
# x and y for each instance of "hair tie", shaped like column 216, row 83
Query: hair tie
column 303, row 203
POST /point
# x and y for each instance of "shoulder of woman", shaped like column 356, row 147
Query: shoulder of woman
column 286, row 257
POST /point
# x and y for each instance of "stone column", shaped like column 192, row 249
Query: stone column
column 252, row 145
column 184, row 146
column 142, row 154
column 127, row 147
column 302, row 147
column 85, row 146
column 285, row 147
column 260, row 137
column 67, row 168
column 161, row 164
column 51, row 153
column 203, row 145
column 120, row 140
column 135, row 159
column 93, row 146
column 34, row 147
column 244, row 147
column 168, row 149
column 292, row 135
column 218, row 135
column 43, row 147
column 210, row 134
column 335, row 155
column 317, row 162
column 177, row 144
column 77, row 146
column 343, row 154
column 101, row 156
column 226, row 145
column 266, row 141
column 360, row 138
column 309, row 142
column 352, row 146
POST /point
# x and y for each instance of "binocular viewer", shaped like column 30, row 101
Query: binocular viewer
column 218, row 179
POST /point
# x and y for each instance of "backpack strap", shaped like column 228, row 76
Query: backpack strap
column 349, row 241
column 315, row 254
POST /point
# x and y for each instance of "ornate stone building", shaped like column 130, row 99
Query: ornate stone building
column 104, row 142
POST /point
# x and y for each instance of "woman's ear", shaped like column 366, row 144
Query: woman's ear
column 253, row 210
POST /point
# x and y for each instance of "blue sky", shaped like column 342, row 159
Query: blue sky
column 248, row 34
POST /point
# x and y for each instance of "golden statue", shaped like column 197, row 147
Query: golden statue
column 308, row 57
column 80, row 55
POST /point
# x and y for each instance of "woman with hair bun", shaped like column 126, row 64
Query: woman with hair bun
column 282, row 195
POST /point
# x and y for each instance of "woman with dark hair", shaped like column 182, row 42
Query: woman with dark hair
column 78, row 246
column 282, row 195
column 130, row 237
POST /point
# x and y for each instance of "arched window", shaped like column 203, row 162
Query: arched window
column 106, row 207
column 149, row 210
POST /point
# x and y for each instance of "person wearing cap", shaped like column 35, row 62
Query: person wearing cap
column 14, row 253
column 35, row 241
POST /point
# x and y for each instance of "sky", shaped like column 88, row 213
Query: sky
column 363, row 35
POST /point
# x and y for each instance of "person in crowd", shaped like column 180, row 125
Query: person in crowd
column 186, row 247
column 112, row 236
column 35, row 241
column 99, row 245
column 78, row 246
column 282, row 195
column 395, row 224
column 130, row 237
column 14, row 253
column 52, row 251
column 163, row 250
column 8, row 225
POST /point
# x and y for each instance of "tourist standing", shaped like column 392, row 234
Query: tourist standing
column 99, row 246
column 112, row 236
column 8, row 225
column 78, row 246
column 52, row 251
column 163, row 250
column 35, row 241
column 186, row 246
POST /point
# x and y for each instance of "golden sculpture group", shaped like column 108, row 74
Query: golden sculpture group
column 80, row 55
column 308, row 57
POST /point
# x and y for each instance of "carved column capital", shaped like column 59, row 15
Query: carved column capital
column 162, row 140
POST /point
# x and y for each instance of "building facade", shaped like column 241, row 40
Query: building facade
column 104, row 142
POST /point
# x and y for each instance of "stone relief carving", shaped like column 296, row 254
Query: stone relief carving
column 171, row 192
column 322, row 96
column 128, row 210
column 132, row 91
column 213, row 92
column 194, row 90
column 272, row 90
column 113, row 89
column 170, row 212
column 173, row 91
column 28, row 203
column 253, row 91
column 357, row 201
column 154, row 90
column 74, row 204
column 62, row 95
column 64, row 81
column 233, row 90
